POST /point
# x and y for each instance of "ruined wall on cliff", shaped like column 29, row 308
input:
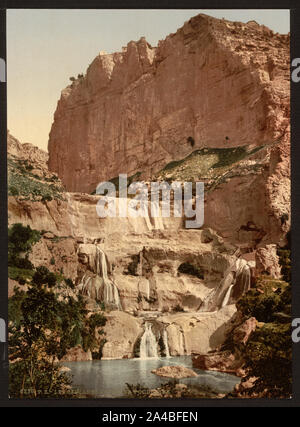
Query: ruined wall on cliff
column 218, row 82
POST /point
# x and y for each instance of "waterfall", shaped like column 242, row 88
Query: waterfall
column 243, row 275
column 91, row 286
column 148, row 290
column 110, row 291
column 84, row 285
column 227, row 296
column 98, row 286
column 166, row 344
column 156, row 215
column 148, row 347
column 237, row 275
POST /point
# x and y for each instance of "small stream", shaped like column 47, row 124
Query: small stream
column 107, row 378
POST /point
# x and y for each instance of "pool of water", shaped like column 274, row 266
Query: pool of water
column 108, row 378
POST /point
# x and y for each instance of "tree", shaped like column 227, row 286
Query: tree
column 20, row 238
column 42, row 327
column 44, row 324
column 43, row 276
column 268, row 352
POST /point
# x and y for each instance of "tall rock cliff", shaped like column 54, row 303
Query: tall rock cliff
column 213, row 83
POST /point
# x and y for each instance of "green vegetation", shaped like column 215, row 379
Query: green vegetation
column 20, row 241
column 43, row 276
column 270, row 296
column 21, row 275
column 21, row 238
column 44, row 323
column 42, row 328
column 210, row 165
column 69, row 283
column 22, row 182
column 284, row 255
column 172, row 389
column 268, row 352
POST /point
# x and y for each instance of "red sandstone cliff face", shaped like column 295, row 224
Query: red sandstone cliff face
column 218, row 82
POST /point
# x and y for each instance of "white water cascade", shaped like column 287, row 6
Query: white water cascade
column 110, row 291
column 227, row 296
column 243, row 275
column 166, row 344
column 100, row 287
column 237, row 275
column 148, row 346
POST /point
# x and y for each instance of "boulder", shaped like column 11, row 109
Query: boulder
column 174, row 372
column 223, row 361
column 77, row 354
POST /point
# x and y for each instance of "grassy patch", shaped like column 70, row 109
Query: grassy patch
column 210, row 165
column 22, row 182
column 20, row 274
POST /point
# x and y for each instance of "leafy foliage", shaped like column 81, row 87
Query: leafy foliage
column 20, row 241
column 21, row 238
column 268, row 352
column 22, row 182
column 268, row 298
column 44, row 323
column 42, row 327
column 285, row 263
column 172, row 389
column 209, row 165
column 43, row 276
column 268, row 356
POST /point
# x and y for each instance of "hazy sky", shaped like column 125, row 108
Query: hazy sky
column 46, row 47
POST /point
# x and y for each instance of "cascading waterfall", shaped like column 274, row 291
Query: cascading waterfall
column 148, row 290
column 99, row 286
column 227, row 296
column 181, row 343
column 156, row 215
column 110, row 291
column 211, row 301
column 243, row 275
column 166, row 344
column 237, row 275
column 148, row 346
column 84, row 285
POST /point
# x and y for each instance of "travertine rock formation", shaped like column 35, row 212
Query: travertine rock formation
column 187, row 333
column 213, row 83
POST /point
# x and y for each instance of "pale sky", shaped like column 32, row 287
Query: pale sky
column 45, row 47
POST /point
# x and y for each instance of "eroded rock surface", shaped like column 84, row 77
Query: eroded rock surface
column 137, row 109
column 174, row 372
